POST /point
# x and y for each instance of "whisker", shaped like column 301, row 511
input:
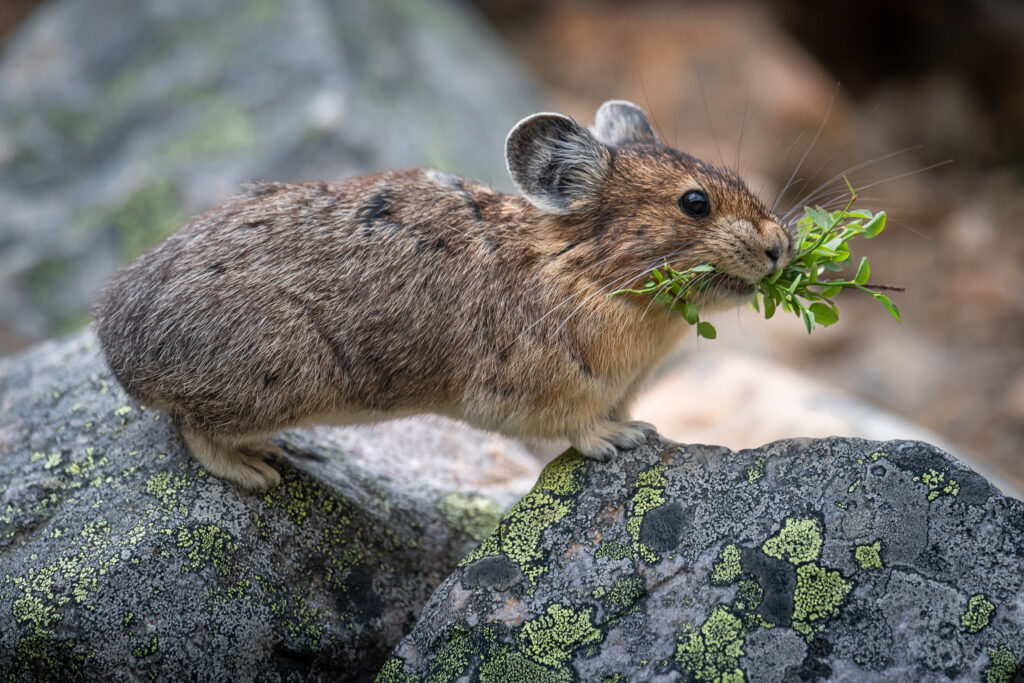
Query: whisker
column 812, row 195
column 817, row 135
column 707, row 112
column 743, row 125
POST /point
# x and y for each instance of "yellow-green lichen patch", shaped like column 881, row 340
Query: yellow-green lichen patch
column 624, row 594
column 166, row 488
column 1002, row 666
column 712, row 652
column 550, row 638
column 454, row 657
column 518, row 535
column 938, row 484
column 474, row 515
column 208, row 546
column 505, row 664
column 979, row 611
column 650, row 493
column 874, row 457
column 727, row 568
column 819, row 592
column 749, row 596
column 563, row 475
column 294, row 496
column 393, row 671
column 756, row 471
column 614, row 550
column 799, row 541
column 869, row 556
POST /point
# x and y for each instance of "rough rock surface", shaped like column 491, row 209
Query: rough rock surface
column 838, row 559
column 122, row 560
column 110, row 139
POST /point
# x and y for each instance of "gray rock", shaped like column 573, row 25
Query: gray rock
column 832, row 559
column 122, row 560
column 121, row 118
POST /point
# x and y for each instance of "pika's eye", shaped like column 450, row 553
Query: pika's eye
column 695, row 204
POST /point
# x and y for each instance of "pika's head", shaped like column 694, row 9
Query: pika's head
column 640, row 204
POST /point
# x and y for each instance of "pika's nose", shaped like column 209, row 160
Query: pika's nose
column 773, row 255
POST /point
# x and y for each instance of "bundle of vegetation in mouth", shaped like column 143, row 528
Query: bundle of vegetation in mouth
column 803, row 287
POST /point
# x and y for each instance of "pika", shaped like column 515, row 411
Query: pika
column 416, row 291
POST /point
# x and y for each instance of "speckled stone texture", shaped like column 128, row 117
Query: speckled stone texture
column 833, row 559
column 121, row 560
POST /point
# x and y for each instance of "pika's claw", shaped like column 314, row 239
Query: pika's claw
column 603, row 442
column 243, row 464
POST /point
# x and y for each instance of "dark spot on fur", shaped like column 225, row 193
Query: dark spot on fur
column 581, row 362
column 269, row 378
column 378, row 209
column 216, row 268
column 490, row 245
column 253, row 225
column 568, row 247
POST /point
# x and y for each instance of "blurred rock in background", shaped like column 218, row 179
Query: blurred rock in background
column 120, row 119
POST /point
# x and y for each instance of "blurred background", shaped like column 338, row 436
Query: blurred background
column 119, row 119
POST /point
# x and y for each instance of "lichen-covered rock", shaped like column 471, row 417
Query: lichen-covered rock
column 837, row 559
column 122, row 560
column 118, row 120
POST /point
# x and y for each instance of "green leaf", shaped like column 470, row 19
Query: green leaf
column 875, row 225
column 893, row 309
column 821, row 218
column 808, row 319
column 769, row 308
column 830, row 292
column 824, row 314
column 690, row 313
column 657, row 275
column 863, row 271
column 706, row 330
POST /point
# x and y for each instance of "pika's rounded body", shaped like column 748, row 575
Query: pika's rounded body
column 417, row 291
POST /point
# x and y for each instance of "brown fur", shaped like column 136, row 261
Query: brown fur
column 416, row 291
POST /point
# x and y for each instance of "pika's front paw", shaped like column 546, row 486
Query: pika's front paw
column 604, row 442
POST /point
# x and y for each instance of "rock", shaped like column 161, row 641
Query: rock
column 839, row 559
column 109, row 140
column 123, row 560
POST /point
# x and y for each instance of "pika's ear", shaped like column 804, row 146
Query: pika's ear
column 618, row 122
column 556, row 163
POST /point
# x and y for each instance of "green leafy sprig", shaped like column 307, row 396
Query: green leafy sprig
column 800, row 287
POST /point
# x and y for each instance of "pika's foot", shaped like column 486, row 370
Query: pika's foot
column 603, row 442
column 245, row 464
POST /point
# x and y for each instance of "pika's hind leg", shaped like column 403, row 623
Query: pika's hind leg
column 241, row 462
